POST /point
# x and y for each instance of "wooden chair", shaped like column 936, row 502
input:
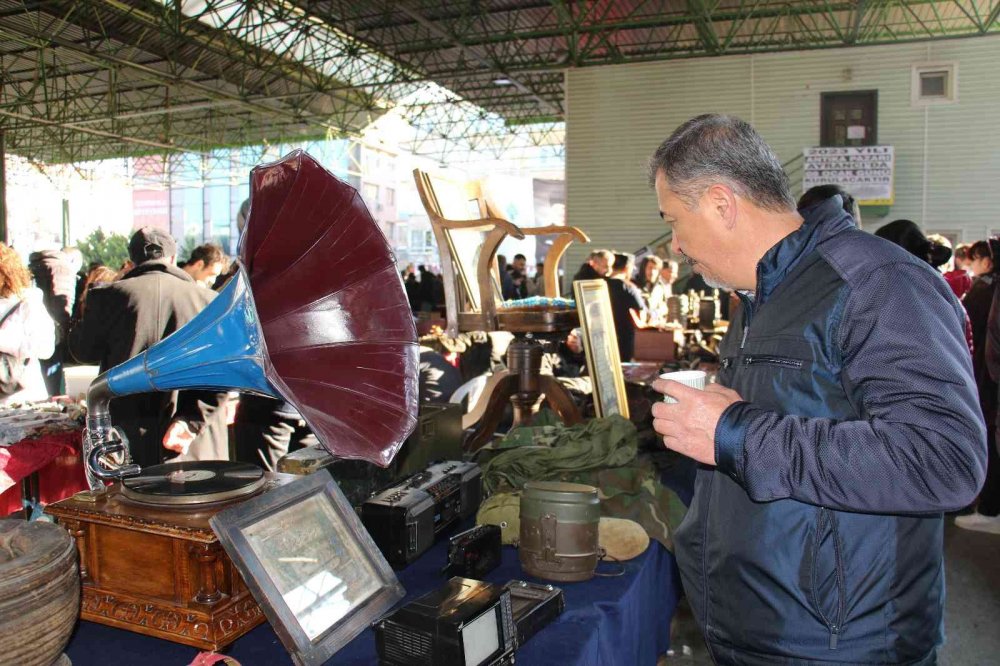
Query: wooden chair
column 468, row 229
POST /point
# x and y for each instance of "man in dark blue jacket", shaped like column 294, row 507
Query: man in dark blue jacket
column 843, row 425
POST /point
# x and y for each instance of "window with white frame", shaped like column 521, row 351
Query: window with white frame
column 934, row 84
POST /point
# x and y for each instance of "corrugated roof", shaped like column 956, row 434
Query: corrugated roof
column 85, row 79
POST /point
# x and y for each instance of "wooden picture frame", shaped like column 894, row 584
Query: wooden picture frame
column 310, row 564
column 600, row 342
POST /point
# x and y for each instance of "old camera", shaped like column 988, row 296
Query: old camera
column 474, row 553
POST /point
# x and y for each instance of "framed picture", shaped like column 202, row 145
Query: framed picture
column 312, row 567
column 600, row 342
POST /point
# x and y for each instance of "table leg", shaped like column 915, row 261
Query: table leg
column 30, row 494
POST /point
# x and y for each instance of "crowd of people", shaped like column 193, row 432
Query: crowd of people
column 639, row 296
column 425, row 286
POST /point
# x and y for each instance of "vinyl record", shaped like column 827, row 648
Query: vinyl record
column 197, row 482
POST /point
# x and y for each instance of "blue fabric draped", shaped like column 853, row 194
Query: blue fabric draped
column 623, row 620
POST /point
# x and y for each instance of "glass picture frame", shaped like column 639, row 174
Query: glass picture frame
column 316, row 573
column 600, row 343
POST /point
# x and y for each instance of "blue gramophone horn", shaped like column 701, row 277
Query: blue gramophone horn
column 221, row 348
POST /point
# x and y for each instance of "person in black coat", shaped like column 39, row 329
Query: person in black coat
column 626, row 299
column 127, row 317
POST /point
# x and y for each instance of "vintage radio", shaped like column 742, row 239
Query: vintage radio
column 438, row 436
column 463, row 623
column 534, row 607
column 474, row 553
column 404, row 519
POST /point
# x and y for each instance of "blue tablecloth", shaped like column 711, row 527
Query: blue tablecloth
column 623, row 620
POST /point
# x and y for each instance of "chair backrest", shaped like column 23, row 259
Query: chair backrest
column 468, row 228
column 564, row 235
column 468, row 231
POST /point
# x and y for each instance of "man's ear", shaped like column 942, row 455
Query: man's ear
column 722, row 202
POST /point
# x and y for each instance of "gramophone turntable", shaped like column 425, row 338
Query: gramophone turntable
column 188, row 483
column 340, row 345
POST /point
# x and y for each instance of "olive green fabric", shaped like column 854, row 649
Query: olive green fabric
column 634, row 492
column 504, row 511
column 600, row 453
column 541, row 453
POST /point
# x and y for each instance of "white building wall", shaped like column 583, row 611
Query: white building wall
column 947, row 157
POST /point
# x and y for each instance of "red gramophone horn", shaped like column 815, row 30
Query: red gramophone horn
column 337, row 326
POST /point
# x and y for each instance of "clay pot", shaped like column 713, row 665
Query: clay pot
column 39, row 592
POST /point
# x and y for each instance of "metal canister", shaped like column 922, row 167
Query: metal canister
column 559, row 530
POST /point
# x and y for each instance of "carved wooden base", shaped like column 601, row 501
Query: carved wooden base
column 159, row 571
column 212, row 629
column 523, row 386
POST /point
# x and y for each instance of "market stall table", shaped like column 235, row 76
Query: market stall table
column 621, row 620
column 48, row 461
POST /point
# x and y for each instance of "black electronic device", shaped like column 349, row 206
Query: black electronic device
column 438, row 436
column 474, row 553
column 462, row 623
column 534, row 607
column 404, row 519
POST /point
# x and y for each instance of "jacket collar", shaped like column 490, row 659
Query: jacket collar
column 820, row 222
column 157, row 266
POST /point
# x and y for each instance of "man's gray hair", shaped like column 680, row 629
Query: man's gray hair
column 715, row 148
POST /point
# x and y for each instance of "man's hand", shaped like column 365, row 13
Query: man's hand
column 688, row 426
column 178, row 437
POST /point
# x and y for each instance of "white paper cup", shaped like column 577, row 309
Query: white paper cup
column 692, row 378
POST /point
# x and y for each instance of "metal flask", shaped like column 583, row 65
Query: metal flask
column 559, row 530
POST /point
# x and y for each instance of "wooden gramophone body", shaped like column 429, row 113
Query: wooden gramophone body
column 159, row 571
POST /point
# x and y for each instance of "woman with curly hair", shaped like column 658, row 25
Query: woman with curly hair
column 26, row 330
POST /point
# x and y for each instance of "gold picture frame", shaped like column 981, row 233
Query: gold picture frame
column 600, row 342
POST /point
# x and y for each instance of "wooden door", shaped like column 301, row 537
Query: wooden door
column 849, row 118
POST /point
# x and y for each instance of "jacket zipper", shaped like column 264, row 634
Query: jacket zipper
column 704, row 552
column 834, row 625
column 841, row 583
column 764, row 359
column 748, row 304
